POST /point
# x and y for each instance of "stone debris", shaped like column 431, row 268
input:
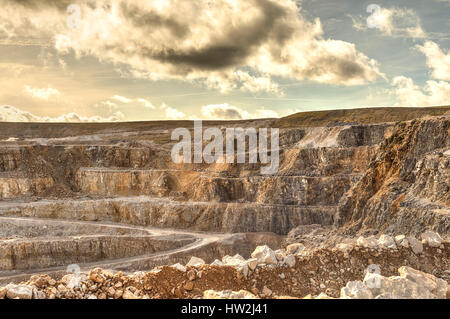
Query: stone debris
column 180, row 267
column 367, row 242
column 386, row 241
column 296, row 248
column 194, row 261
column 19, row 291
column 264, row 255
column 294, row 272
column 416, row 245
column 432, row 239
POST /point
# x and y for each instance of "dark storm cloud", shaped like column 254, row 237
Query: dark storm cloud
column 151, row 20
column 228, row 50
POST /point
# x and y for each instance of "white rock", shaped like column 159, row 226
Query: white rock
column 238, row 262
column 265, row 255
column 432, row 239
column 289, row 261
column 179, row 266
column 436, row 285
column 401, row 240
column 416, row 245
column 344, row 247
column 386, row 241
column 356, row 290
column 195, row 261
column 368, row 242
column 19, row 291
column 295, row 248
column 217, row 262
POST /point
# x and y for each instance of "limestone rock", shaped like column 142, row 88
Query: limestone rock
column 432, row 239
column 401, row 240
column 416, row 245
column 264, row 255
column 179, row 267
column 356, row 290
column 367, row 242
column 436, row 285
column 217, row 262
column 295, row 248
column 19, row 292
column 195, row 261
column 386, row 241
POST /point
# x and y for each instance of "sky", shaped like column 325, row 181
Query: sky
column 134, row 60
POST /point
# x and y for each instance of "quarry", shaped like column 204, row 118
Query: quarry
column 354, row 189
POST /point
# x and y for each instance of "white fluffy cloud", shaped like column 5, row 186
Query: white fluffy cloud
column 231, row 112
column 437, row 60
column 12, row 114
column 41, row 93
column 199, row 40
column 126, row 100
column 409, row 94
column 172, row 113
column 394, row 22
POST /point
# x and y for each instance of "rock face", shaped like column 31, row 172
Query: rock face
column 407, row 186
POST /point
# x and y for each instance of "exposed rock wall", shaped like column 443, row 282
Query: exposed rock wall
column 407, row 185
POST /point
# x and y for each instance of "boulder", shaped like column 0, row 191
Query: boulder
column 295, row 248
column 367, row 242
column 356, row 290
column 401, row 240
column 19, row 291
column 252, row 263
column 195, row 261
column 432, row 239
column 436, row 285
column 264, row 255
column 179, row 267
column 387, row 242
column 416, row 245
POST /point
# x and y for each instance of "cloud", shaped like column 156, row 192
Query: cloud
column 122, row 99
column 12, row 114
column 231, row 112
column 41, row 93
column 200, row 40
column 126, row 100
column 172, row 113
column 437, row 60
column 393, row 22
column 146, row 103
column 409, row 94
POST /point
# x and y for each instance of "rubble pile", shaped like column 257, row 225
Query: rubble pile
column 368, row 267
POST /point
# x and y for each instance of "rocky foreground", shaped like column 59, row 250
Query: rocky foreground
column 386, row 267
